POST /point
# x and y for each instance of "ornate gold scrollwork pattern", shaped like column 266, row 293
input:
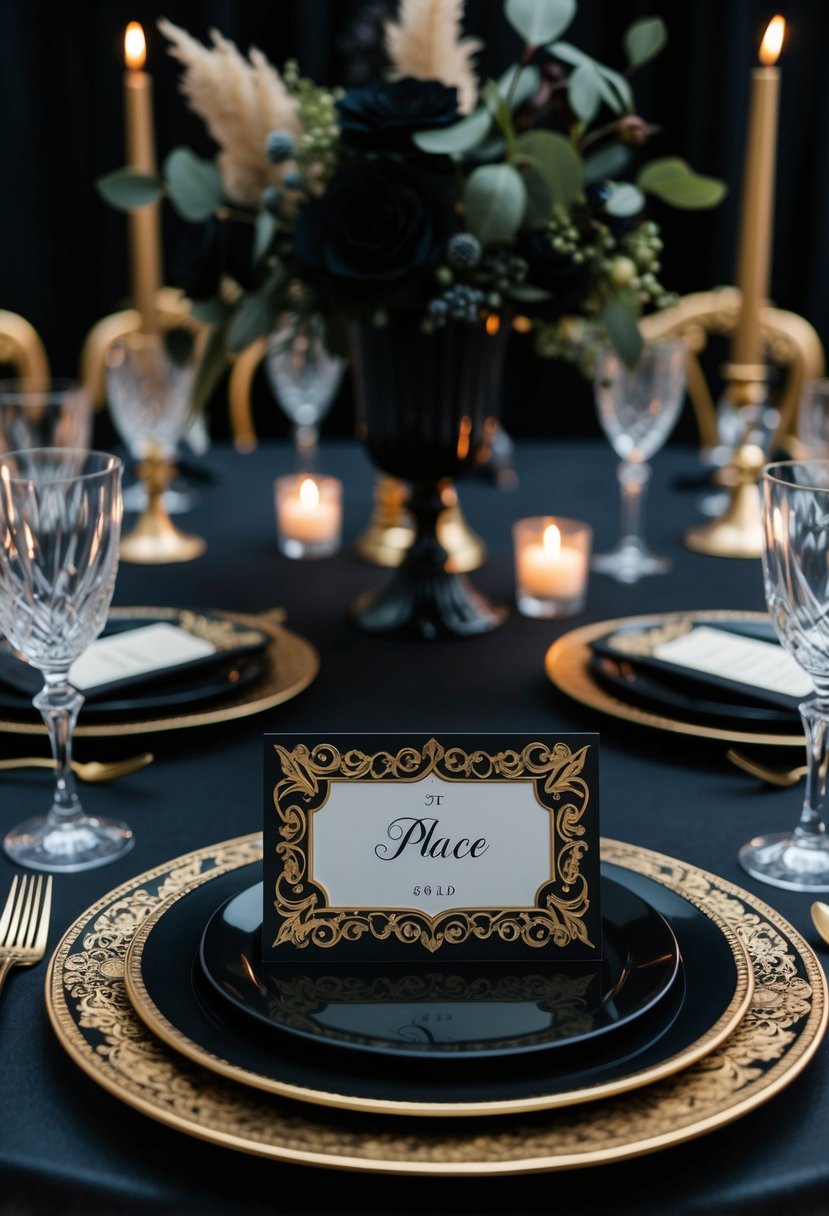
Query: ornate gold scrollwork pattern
column 557, row 919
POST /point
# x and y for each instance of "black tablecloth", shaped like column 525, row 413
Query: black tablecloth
column 66, row 1146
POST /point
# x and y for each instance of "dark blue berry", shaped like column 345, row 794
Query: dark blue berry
column 279, row 146
column 292, row 180
column 463, row 251
column 272, row 199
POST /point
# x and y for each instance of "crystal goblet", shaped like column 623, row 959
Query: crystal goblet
column 44, row 413
column 304, row 377
column 795, row 517
column 60, row 524
column 149, row 395
column 637, row 409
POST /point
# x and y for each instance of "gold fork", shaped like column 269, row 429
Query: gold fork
column 24, row 925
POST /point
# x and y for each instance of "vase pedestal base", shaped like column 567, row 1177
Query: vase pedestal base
column 427, row 605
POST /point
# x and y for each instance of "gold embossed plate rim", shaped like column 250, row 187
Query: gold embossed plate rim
column 168, row 1033
column 774, row 1043
column 292, row 665
column 567, row 664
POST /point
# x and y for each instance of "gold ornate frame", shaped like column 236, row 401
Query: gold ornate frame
column 557, row 918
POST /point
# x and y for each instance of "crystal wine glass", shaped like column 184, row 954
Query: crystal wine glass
column 304, row 377
column 44, row 413
column 795, row 516
column 60, row 523
column 637, row 409
column 149, row 395
column 813, row 420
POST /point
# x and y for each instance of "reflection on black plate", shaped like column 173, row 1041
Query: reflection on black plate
column 240, row 660
column 441, row 1011
column 161, row 981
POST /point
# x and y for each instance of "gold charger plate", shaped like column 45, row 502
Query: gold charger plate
column 91, row 1014
column 567, row 664
column 292, row 664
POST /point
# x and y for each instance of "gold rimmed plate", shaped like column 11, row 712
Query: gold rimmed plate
column 95, row 1022
column 569, row 664
column 288, row 664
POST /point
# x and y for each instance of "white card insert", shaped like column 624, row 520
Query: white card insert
column 136, row 652
column 731, row 656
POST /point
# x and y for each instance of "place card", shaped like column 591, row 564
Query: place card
column 432, row 847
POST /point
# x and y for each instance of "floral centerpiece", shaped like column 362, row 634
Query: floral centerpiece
column 425, row 190
column 420, row 218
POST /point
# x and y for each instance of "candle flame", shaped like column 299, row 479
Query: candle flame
column 135, row 47
column 309, row 494
column 772, row 43
column 552, row 541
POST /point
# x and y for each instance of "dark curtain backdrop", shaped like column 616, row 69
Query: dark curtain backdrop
column 63, row 261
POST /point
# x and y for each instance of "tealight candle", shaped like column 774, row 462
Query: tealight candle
column 308, row 515
column 551, row 563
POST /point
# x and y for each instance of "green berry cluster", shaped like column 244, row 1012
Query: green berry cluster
column 317, row 146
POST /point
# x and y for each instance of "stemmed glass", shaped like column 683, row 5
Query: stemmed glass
column 637, row 409
column 60, row 523
column 47, row 413
column 795, row 517
column 149, row 396
column 304, row 377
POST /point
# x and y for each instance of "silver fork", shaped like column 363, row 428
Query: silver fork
column 24, row 924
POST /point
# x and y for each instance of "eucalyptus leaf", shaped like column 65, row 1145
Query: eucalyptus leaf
column 128, row 189
column 675, row 182
column 608, row 162
column 460, row 137
column 569, row 53
column 498, row 108
column 540, row 21
column 539, row 199
column 584, row 92
column 625, row 200
column 520, row 90
column 644, row 40
column 194, row 185
column 558, row 162
column 623, row 331
column 620, row 84
column 210, row 311
column 494, row 203
column 254, row 318
column 210, row 369
column 265, row 230
column 528, row 293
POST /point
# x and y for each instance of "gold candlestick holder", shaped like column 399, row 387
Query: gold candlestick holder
column 155, row 539
column 790, row 343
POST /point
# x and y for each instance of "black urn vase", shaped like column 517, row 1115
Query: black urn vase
column 422, row 403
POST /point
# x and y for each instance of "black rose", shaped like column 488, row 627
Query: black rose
column 567, row 283
column 383, row 116
column 370, row 240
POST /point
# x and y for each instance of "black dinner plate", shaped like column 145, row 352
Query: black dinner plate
column 205, row 680
column 656, row 1043
column 442, row 1011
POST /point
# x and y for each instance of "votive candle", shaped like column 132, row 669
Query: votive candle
column 308, row 515
column 552, row 556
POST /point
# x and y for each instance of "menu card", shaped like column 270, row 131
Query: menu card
column 432, row 847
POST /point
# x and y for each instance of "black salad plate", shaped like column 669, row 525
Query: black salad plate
column 682, row 1027
column 238, row 663
column 442, row 1011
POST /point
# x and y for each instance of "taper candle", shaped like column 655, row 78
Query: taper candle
column 755, row 239
column 144, row 222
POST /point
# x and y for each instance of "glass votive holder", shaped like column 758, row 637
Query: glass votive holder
column 552, row 559
column 308, row 515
